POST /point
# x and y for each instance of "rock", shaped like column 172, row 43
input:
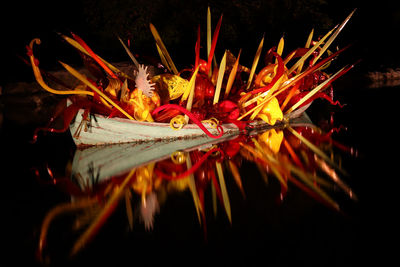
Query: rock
column 388, row 78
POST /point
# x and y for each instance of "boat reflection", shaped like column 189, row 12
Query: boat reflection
column 143, row 175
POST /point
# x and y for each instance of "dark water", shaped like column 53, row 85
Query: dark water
column 265, row 231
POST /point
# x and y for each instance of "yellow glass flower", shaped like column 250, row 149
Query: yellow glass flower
column 144, row 179
column 272, row 139
column 271, row 112
column 174, row 85
column 141, row 106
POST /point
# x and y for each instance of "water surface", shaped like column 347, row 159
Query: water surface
column 266, row 226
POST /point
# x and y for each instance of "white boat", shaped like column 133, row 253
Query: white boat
column 100, row 130
column 112, row 160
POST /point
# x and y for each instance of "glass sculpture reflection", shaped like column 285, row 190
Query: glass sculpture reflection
column 102, row 178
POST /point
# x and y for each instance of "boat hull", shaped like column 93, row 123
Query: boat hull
column 100, row 130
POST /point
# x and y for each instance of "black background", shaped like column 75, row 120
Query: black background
column 299, row 231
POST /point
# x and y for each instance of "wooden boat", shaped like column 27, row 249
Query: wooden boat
column 115, row 159
column 104, row 131
column 111, row 160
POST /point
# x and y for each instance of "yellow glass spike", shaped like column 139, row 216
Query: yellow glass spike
column 193, row 190
column 263, row 173
column 129, row 53
column 221, row 73
column 279, row 50
column 335, row 177
column 209, row 41
column 315, row 149
column 58, row 210
column 39, row 78
column 162, row 57
column 128, row 206
column 94, row 88
column 305, row 178
column 224, row 191
column 83, row 50
column 308, row 43
column 289, row 57
column 208, row 32
column 267, row 97
column 265, row 156
column 309, row 52
column 309, row 39
column 164, row 50
column 190, row 85
column 236, row 175
column 311, row 93
column 214, row 199
column 109, row 205
column 255, row 62
column 333, row 37
column 232, row 75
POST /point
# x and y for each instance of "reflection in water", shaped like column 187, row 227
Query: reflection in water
column 141, row 176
